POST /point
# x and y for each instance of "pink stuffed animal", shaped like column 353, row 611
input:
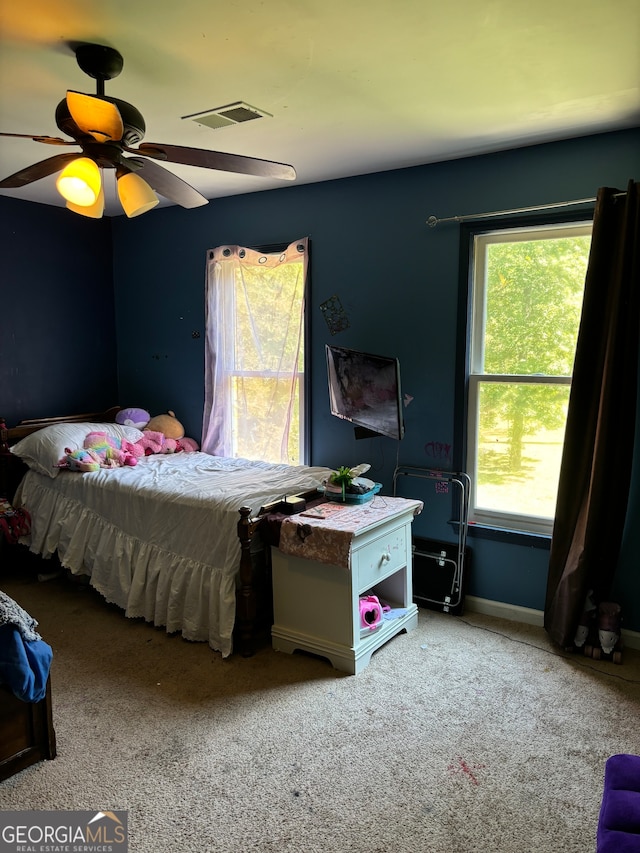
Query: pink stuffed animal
column 153, row 442
column 112, row 452
column 132, row 449
column 101, row 450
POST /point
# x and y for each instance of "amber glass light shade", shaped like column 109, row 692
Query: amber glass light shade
column 135, row 194
column 93, row 211
column 80, row 182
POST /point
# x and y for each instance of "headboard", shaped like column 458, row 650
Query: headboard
column 12, row 469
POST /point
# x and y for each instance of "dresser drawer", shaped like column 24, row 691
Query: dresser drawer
column 381, row 557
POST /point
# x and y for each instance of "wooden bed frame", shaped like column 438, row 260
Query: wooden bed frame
column 253, row 599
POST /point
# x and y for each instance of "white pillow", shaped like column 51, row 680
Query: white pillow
column 42, row 450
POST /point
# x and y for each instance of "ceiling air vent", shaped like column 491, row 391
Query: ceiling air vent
column 229, row 114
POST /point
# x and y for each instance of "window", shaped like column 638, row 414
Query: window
column 526, row 300
column 255, row 353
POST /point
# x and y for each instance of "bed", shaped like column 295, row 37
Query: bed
column 174, row 540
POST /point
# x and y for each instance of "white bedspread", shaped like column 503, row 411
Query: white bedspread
column 160, row 539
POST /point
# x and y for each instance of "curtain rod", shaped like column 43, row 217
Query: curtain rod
column 432, row 221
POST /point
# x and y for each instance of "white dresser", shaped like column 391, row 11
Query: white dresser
column 316, row 603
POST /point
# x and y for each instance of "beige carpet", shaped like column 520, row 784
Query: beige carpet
column 467, row 734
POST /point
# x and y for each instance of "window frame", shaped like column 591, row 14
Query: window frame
column 470, row 322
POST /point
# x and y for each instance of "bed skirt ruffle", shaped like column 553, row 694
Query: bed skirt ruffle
column 144, row 580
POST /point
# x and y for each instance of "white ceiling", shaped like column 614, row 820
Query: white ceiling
column 353, row 87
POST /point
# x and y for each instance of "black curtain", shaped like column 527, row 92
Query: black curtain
column 595, row 474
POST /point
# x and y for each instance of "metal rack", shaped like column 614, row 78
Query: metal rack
column 453, row 597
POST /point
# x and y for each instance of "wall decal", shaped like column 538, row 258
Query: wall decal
column 334, row 315
column 438, row 450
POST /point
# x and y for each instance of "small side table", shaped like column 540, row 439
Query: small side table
column 316, row 603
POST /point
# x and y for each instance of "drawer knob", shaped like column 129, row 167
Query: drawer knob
column 386, row 556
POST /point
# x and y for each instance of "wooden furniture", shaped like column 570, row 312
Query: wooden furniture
column 26, row 728
column 26, row 732
column 316, row 605
column 13, row 469
column 252, row 590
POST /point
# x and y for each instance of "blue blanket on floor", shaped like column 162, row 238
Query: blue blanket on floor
column 24, row 664
column 25, row 659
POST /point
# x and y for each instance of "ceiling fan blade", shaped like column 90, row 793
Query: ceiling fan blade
column 166, row 183
column 50, row 140
column 216, row 160
column 37, row 171
column 95, row 116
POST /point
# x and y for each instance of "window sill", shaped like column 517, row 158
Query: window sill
column 501, row 534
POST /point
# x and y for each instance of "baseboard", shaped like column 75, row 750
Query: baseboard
column 514, row 612
column 529, row 616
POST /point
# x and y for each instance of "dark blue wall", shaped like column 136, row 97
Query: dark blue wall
column 57, row 323
column 397, row 279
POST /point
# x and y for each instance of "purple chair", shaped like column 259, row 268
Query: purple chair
column 619, row 822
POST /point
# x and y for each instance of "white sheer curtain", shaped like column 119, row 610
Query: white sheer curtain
column 254, row 353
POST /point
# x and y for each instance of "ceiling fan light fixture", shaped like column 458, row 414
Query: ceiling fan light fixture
column 93, row 211
column 106, row 128
column 135, row 194
column 95, row 116
column 80, row 182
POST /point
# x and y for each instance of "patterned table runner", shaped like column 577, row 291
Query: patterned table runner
column 324, row 533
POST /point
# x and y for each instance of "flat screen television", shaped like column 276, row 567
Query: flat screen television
column 365, row 390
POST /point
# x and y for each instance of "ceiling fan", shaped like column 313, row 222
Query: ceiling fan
column 106, row 129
